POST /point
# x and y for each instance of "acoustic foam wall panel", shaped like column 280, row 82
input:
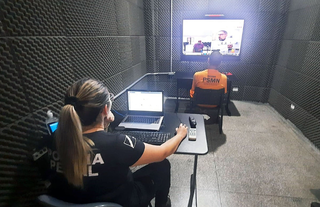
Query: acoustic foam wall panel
column 262, row 71
column 263, row 52
column 149, row 22
column 114, row 84
column 296, row 4
column 164, row 28
column 278, row 77
column 90, row 18
column 271, row 6
column 105, row 18
column 142, row 41
column 282, row 105
column 246, row 48
column 299, row 75
column 132, row 74
column 310, row 67
column 311, row 129
column 177, row 23
column 163, row 48
column 12, row 98
column 126, row 52
column 137, row 23
column 310, row 16
column 45, row 68
column 163, row 65
column 307, row 95
column 46, row 46
column 316, row 30
column 284, row 53
column 258, row 94
column 268, row 30
column 176, row 48
column 135, row 46
column 18, row 175
column 298, row 116
column 273, row 97
column 297, row 54
column 122, row 13
column 190, row 5
column 24, row 18
column 164, row 5
column 180, row 65
column 150, row 48
column 289, row 83
column 88, row 56
column 313, row 50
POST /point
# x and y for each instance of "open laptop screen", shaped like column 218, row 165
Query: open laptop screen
column 145, row 101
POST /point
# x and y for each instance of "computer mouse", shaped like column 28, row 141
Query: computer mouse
column 193, row 122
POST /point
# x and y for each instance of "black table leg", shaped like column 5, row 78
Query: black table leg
column 193, row 183
column 229, row 83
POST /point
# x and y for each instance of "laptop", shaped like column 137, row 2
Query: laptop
column 145, row 110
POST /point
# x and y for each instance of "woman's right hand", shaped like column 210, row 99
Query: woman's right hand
column 182, row 130
column 154, row 153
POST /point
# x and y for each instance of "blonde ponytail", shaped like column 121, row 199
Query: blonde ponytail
column 84, row 102
column 73, row 150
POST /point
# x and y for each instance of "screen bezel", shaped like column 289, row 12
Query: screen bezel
column 145, row 113
column 204, row 58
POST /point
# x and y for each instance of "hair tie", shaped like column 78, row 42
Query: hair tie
column 74, row 101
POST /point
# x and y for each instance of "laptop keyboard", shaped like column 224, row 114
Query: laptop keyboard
column 155, row 138
column 141, row 119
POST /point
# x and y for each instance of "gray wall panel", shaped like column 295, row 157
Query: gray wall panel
column 45, row 46
column 299, row 75
column 13, row 100
column 24, row 18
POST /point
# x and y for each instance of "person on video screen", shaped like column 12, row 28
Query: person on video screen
column 222, row 43
column 210, row 78
column 222, row 35
column 198, row 47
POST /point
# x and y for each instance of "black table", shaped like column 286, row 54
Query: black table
column 184, row 80
column 198, row 147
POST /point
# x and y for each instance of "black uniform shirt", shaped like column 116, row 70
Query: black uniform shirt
column 108, row 168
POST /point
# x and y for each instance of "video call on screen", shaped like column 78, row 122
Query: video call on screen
column 145, row 101
column 202, row 36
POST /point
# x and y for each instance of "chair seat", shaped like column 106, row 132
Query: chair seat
column 47, row 200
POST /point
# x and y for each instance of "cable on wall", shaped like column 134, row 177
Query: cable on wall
column 171, row 35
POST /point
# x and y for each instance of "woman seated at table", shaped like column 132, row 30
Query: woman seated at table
column 91, row 165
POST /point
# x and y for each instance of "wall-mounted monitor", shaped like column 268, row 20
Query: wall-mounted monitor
column 201, row 36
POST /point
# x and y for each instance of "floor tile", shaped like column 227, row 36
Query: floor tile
column 261, row 159
column 249, row 200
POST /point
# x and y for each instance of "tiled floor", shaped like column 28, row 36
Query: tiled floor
column 260, row 160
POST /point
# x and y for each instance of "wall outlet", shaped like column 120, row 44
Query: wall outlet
column 235, row 89
column 292, row 106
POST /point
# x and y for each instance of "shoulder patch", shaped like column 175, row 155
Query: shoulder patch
column 130, row 141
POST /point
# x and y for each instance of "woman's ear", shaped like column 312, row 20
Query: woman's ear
column 105, row 110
